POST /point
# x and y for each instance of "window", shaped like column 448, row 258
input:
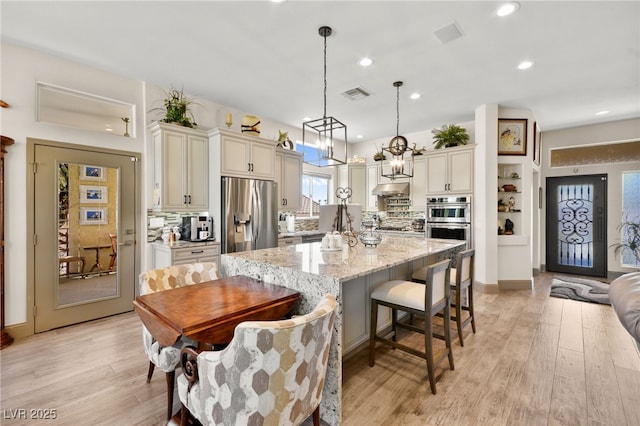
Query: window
column 315, row 191
column 630, row 214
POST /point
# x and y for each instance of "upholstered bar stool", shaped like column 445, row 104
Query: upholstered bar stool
column 422, row 300
column 461, row 279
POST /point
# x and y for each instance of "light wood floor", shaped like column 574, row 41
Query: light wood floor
column 535, row 360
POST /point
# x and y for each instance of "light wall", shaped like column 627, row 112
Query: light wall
column 594, row 134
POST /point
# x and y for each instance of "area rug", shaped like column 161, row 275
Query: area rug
column 582, row 289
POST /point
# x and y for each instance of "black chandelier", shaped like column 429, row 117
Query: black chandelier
column 319, row 136
column 397, row 166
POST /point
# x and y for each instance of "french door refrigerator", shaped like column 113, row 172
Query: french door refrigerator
column 249, row 214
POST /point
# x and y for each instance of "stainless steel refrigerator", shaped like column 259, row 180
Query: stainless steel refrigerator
column 249, row 214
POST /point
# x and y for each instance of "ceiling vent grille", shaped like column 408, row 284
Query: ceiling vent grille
column 448, row 33
column 356, row 93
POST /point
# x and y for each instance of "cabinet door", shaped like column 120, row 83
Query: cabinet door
column 262, row 160
column 372, row 181
column 358, row 185
column 419, row 185
column 292, row 181
column 234, row 158
column 280, row 179
column 197, row 173
column 174, row 162
column 461, row 172
column 437, row 173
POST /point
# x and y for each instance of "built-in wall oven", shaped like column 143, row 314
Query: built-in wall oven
column 450, row 218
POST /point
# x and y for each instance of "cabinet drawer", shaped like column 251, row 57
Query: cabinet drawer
column 195, row 253
column 283, row 242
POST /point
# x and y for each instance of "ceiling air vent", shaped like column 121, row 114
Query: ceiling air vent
column 448, row 33
column 356, row 93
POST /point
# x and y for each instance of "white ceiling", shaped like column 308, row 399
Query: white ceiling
column 266, row 58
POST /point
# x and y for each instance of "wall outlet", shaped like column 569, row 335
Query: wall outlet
column 156, row 222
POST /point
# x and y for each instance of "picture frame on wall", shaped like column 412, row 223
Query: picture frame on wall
column 93, row 194
column 512, row 136
column 536, row 144
column 93, row 216
column 96, row 173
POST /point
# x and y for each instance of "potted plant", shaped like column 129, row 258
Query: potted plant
column 379, row 155
column 630, row 238
column 176, row 108
column 449, row 135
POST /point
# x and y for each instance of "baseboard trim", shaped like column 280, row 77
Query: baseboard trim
column 514, row 284
column 18, row 331
column 486, row 288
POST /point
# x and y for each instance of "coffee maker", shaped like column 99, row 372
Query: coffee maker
column 198, row 228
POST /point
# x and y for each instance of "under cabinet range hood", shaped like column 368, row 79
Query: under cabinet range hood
column 391, row 189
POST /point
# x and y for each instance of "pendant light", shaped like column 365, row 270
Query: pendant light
column 319, row 136
column 397, row 166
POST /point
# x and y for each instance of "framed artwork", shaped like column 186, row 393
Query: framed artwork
column 536, row 143
column 92, row 173
column 93, row 194
column 512, row 136
column 93, row 216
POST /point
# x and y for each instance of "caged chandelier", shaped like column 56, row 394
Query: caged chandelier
column 319, row 136
column 398, row 166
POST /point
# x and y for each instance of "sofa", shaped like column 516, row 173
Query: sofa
column 624, row 294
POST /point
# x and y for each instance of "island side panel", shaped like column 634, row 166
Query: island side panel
column 312, row 288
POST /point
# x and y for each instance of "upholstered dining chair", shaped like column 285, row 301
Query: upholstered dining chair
column 461, row 281
column 167, row 358
column 272, row 373
column 423, row 301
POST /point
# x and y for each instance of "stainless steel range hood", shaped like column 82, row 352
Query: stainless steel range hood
column 391, row 189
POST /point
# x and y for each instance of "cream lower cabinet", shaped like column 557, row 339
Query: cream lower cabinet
column 165, row 255
column 181, row 168
column 244, row 156
column 289, row 179
column 450, row 171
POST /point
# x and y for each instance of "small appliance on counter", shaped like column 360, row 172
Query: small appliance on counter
column 198, row 228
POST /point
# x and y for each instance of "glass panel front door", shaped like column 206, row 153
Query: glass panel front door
column 576, row 224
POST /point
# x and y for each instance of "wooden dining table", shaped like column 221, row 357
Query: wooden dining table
column 209, row 312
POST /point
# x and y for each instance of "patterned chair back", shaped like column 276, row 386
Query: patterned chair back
column 272, row 372
column 177, row 276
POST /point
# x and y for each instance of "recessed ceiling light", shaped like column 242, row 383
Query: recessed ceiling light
column 306, row 119
column 365, row 62
column 359, row 136
column 415, row 95
column 604, row 112
column 525, row 65
column 278, row 1
column 508, row 8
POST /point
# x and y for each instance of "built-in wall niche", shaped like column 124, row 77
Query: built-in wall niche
column 72, row 108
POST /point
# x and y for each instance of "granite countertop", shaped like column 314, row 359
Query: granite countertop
column 349, row 263
column 185, row 243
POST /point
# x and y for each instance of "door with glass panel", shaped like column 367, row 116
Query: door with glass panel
column 577, row 225
column 84, row 223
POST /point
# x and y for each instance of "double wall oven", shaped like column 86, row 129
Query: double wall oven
column 450, row 218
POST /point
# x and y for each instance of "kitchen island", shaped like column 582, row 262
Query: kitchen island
column 351, row 274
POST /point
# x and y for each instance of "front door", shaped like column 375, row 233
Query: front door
column 84, row 223
column 577, row 225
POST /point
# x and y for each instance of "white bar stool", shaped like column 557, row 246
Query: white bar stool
column 459, row 283
column 423, row 300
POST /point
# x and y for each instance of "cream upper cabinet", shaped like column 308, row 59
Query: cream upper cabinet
column 450, row 171
column 372, row 180
column 353, row 176
column 419, row 184
column 245, row 156
column 289, row 179
column 181, row 168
